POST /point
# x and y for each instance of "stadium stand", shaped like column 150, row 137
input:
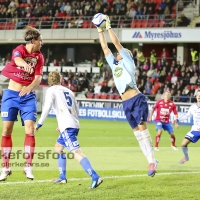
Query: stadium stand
column 183, row 79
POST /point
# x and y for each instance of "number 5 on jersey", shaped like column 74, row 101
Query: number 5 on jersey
column 68, row 98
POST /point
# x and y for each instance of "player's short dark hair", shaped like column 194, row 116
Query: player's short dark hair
column 31, row 33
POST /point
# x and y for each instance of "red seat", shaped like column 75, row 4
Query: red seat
column 162, row 23
column 195, row 87
column 156, row 23
column 144, row 24
column 121, row 23
column 32, row 24
column 117, row 96
column 138, row 24
column 90, row 96
column 68, row 17
column 85, row 24
column 150, row 23
column 97, row 96
column 133, row 23
column 55, row 24
column 2, row 26
column 104, row 96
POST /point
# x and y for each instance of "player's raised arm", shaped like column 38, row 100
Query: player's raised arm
column 113, row 36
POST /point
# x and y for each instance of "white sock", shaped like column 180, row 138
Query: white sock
column 139, row 138
column 149, row 145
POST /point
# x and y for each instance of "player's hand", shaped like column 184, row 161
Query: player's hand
column 58, row 130
column 176, row 125
column 108, row 25
column 27, row 68
column 38, row 126
column 25, row 90
column 100, row 29
column 150, row 119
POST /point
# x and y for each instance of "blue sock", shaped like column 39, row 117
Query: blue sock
column 185, row 151
column 62, row 165
column 85, row 163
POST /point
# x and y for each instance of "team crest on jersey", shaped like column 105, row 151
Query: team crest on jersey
column 118, row 72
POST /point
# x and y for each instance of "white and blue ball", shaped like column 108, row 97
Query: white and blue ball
column 99, row 20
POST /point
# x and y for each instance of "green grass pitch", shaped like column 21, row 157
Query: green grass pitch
column 114, row 153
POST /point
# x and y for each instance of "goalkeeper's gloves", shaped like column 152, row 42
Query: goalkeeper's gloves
column 108, row 25
column 38, row 126
column 100, row 29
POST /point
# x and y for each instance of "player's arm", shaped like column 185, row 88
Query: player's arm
column 49, row 98
column 29, row 88
column 38, row 77
column 21, row 63
column 113, row 36
column 151, row 114
column 104, row 44
column 185, row 116
column 176, row 116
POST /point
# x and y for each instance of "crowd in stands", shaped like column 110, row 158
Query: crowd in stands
column 68, row 13
column 153, row 75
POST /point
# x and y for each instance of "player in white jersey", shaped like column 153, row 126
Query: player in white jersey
column 194, row 134
column 64, row 103
column 134, row 103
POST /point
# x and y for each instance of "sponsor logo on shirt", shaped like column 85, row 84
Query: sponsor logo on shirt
column 118, row 72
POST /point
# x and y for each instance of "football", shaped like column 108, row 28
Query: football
column 99, row 20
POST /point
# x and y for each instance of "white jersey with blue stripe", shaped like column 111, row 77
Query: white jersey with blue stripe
column 193, row 111
column 65, row 106
column 123, row 71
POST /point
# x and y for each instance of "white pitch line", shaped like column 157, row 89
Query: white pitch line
column 104, row 177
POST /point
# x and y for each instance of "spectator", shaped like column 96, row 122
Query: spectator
column 158, row 95
column 168, row 77
column 47, row 63
column 62, row 62
column 55, row 62
column 79, row 21
column 164, row 55
column 184, row 97
column 150, row 73
column 193, row 79
column 97, row 88
column 173, row 55
column 194, row 55
column 70, row 62
column 105, row 88
column 91, row 87
column 140, row 57
column 113, row 89
column 183, row 20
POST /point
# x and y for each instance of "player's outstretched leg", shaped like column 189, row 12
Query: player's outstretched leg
column 62, row 160
column 184, row 144
column 149, row 147
column 85, row 163
column 173, row 140
column 186, row 157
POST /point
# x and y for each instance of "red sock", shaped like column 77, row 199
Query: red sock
column 157, row 140
column 29, row 147
column 6, row 148
column 173, row 139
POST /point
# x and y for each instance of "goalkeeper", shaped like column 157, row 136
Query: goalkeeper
column 134, row 102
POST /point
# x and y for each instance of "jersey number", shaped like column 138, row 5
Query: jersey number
column 68, row 98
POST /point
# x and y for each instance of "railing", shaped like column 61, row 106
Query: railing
column 112, row 96
column 45, row 22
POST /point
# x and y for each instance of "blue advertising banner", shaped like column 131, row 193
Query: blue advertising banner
column 113, row 110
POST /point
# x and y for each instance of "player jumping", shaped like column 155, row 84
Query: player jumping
column 194, row 134
column 66, row 109
column 163, row 108
column 25, row 73
column 134, row 102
